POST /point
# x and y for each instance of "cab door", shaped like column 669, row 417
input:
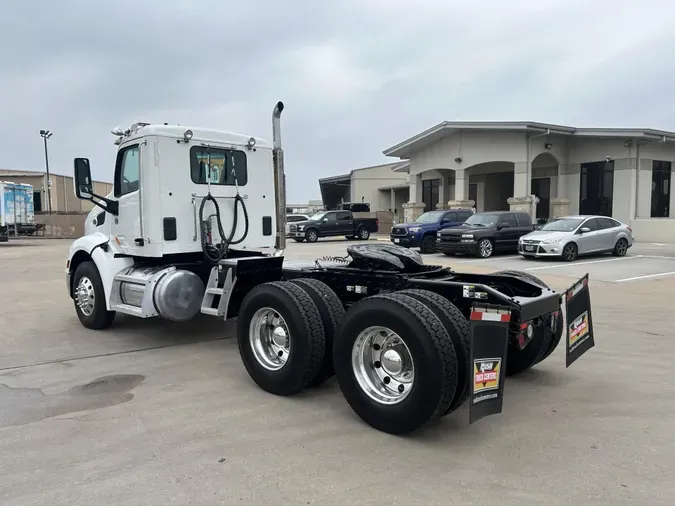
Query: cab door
column 126, row 229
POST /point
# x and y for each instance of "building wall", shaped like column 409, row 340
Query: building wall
column 366, row 184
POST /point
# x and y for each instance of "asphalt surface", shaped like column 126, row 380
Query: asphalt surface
column 150, row 412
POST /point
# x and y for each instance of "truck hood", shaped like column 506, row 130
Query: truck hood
column 421, row 226
column 465, row 229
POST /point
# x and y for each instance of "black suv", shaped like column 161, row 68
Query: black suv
column 484, row 233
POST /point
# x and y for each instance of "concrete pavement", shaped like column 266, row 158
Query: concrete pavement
column 150, row 412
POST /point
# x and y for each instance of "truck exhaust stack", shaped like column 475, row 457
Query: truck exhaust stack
column 279, row 178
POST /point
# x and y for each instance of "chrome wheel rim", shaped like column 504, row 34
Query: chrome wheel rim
column 485, row 247
column 269, row 338
column 621, row 247
column 85, row 296
column 311, row 236
column 364, row 234
column 383, row 365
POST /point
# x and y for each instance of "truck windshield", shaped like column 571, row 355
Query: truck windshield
column 483, row 220
column 317, row 216
column 562, row 225
column 430, row 217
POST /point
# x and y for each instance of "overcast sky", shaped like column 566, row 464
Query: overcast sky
column 357, row 76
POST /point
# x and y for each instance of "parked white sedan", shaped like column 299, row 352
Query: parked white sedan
column 572, row 236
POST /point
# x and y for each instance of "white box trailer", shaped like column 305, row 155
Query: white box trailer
column 17, row 212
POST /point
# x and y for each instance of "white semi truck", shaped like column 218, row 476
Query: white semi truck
column 196, row 224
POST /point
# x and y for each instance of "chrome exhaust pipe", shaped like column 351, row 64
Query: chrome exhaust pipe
column 279, row 179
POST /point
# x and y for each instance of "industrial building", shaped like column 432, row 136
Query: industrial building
column 625, row 173
column 63, row 199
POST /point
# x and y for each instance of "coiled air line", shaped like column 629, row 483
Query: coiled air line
column 212, row 253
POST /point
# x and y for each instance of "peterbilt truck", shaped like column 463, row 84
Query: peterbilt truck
column 195, row 224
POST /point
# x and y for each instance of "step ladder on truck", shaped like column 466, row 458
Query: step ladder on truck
column 196, row 224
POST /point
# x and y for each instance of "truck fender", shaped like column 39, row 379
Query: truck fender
column 88, row 248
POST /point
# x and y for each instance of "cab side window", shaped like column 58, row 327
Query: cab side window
column 509, row 219
column 127, row 171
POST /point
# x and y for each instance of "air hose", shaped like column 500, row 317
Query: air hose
column 212, row 253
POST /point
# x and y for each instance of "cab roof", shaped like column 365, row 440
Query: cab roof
column 199, row 134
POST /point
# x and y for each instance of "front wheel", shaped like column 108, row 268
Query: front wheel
column 428, row 244
column 364, row 234
column 485, row 248
column 312, row 236
column 570, row 252
column 89, row 298
column 621, row 248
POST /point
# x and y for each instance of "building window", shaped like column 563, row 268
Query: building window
column 596, row 188
column 661, row 177
column 430, row 189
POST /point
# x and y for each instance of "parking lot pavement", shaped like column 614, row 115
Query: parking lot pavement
column 150, row 412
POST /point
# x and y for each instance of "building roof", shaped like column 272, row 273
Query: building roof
column 404, row 149
column 336, row 179
column 35, row 173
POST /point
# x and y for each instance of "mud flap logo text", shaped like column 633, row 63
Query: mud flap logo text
column 578, row 330
column 486, row 374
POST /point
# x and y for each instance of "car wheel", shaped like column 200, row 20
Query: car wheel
column 89, row 298
column 485, row 248
column 428, row 244
column 570, row 252
column 364, row 234
column 312, row 236
column 620, row 248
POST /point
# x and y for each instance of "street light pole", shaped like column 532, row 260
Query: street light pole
column 46, row 134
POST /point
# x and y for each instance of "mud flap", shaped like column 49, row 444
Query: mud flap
column 489, row 345
column 579, row 331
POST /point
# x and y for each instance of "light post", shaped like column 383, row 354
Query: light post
column 46, row 134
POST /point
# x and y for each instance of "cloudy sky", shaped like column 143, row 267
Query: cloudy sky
column 357, row 76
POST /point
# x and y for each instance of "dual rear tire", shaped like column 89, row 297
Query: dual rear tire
column 401, row 359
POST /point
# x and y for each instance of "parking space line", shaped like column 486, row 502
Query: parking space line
column 573, row 264
column 647, row 276
column 486, row 259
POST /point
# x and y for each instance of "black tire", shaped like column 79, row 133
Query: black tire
column 312, row 235
column 431, row 350
column 306, row 335
column 484, row 248
column 570, row 252
column 541, row 346
column 332, row 311
column 363, row 234
column 297, row 239
column 459, row 331
column 428, row 245
column 99, row 317
column 620, row 248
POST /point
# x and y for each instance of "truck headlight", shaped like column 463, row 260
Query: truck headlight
column 414, row 229
column 467, row 236
column 301, row 228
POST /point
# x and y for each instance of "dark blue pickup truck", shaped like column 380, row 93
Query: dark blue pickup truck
column 422, row 232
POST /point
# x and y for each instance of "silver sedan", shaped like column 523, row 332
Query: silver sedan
column 572, row 236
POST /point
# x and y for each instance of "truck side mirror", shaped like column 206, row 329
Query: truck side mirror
column 84, row 188
column 503, row 225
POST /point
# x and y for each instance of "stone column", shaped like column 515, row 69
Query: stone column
column 560, row 206
column 522, row 204
column 461, row 191
column 520, row 179
column 443, row 194
column 412, row 211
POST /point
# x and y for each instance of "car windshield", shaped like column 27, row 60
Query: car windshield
column 562, row 225
column 318, row 216
column 429, row 217
column 482, row 220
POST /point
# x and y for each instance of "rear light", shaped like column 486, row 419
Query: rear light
column 377, row 222
column 525, row 334
column 630, row 229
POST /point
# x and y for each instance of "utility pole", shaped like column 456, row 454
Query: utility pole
column 46, row 134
